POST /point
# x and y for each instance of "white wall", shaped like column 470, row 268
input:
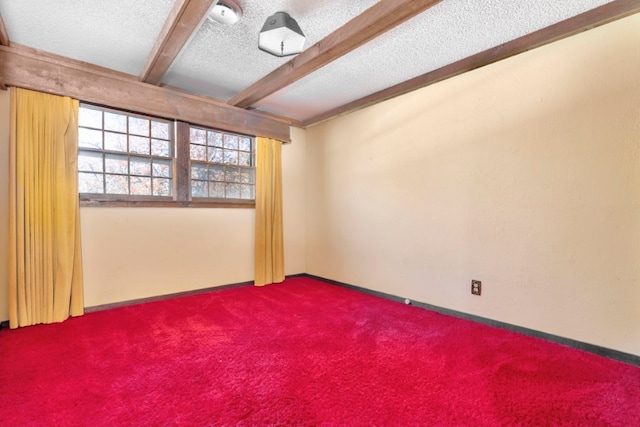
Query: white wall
column 4, row 205
column 524, row 174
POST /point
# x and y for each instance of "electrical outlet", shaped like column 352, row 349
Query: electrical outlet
column 476, row 287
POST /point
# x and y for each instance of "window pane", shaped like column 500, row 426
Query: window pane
column 160, row 148
column 247, row 192
column 115, row 141
column 244, row 159
column 117, row 184
column 216, row 190
column 88, row 138
column 140, row 166
column 215, row 139
column 160, row 130
column 230, row 157
column 115, row 121
column 247, row 176
column 233, row 175
column 199, row 172
column 245, row 144
column 199, row 188
column 89, row 161
column 216, row 173
column 198, row 136
column 117, row 163
column 88, row 117
column 90, row 183
column 161, row 187
column 138, row 145
column 162, row 168
column 198, row 152
column 233, row 191
column 138, row 126
column 140, row 185
column 231, row 141
column 124, row 157
column 215, row 155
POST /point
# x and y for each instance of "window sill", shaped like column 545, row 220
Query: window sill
column 166, row 203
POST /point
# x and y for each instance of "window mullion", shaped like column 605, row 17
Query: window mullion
column 183, row 162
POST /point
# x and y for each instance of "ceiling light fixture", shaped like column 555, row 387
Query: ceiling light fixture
column 281, row 35
column 225, row 12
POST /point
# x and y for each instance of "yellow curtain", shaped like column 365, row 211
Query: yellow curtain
column 269, row 251
column 45, row 264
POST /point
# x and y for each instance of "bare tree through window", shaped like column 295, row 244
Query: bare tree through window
column 125, row 154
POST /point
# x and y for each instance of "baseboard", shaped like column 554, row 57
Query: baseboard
column 172, row 295
column 620, row 356
column 101, row 307
column 163, row 297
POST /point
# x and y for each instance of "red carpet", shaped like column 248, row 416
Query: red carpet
column 301, row 353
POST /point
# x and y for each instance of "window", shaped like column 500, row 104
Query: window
column 121, row 153
column 131, row 159
column 221, row 165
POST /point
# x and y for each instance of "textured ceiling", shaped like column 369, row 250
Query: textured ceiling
column 113, row 34
column 230, row 53
column 220, row 61
column 449, row 31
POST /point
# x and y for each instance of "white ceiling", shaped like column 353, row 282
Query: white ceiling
column 230, row 53
column 220, row 61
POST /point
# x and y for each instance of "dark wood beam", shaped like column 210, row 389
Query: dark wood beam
column 183, row 20
column 291, row 121
column 599, row 16
column 37, row 70
column 4, row 41
column 4, row 35
column 383, row 16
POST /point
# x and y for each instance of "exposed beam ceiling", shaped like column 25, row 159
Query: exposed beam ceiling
column 585, row 21
column 37, row 70
column 183, row 20
column 376, row 20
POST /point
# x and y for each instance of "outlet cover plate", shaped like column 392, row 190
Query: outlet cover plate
column 476, row 287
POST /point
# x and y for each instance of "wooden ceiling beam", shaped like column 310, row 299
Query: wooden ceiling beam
column 609, row 12
column 4, row 41
column 383, row 16
column 42, row 71
column 183, row 20
column 4, row 35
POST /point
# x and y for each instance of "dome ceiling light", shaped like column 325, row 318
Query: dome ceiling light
column 225, row 12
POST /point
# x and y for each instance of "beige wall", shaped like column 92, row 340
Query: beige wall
column 4, row 204
column 137, row 253
column 294, row 202
column 131, row 253
column 524, row 174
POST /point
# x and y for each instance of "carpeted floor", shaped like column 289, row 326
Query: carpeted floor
column 301, row 353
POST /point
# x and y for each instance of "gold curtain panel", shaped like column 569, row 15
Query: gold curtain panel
column 45, row 271
column 269, row 247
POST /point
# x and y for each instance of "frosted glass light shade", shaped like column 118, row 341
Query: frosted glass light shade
column 281, row 35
